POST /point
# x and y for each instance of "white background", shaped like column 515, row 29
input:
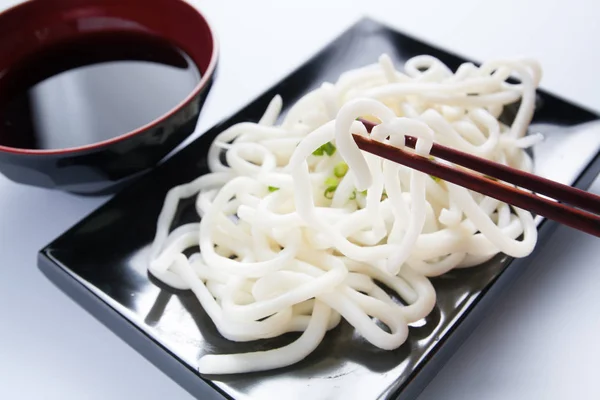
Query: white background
column 539, row 341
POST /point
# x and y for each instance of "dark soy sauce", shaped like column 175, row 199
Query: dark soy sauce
column 91, row 89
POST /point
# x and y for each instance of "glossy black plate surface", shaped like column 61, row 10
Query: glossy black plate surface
column 101, row 263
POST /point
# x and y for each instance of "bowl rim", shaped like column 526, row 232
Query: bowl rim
column 205, row 80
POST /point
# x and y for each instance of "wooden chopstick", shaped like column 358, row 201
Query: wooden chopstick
column 555, row 210
column 566, row 194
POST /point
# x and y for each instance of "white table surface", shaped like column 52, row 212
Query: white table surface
column 538, row 341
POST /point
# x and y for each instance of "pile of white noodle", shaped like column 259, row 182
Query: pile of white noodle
column 299, row 227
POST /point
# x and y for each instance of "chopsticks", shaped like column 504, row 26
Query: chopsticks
column 481, row 180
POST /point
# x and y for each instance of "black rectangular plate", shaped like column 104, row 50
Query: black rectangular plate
column 101, row 264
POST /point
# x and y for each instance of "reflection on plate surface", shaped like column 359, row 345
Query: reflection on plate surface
column 107, row 253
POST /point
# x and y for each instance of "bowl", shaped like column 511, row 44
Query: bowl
column 104, row 166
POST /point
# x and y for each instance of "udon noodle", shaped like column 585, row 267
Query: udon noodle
column 300, row 229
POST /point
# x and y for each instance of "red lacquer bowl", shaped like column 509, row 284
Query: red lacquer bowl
column 105, row 166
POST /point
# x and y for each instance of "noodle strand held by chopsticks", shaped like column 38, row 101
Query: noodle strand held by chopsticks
column 299, row 228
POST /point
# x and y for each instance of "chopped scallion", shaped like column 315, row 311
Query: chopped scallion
column 328, row 148
column 332, row 181
column 329, row 192
column 340, row 169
